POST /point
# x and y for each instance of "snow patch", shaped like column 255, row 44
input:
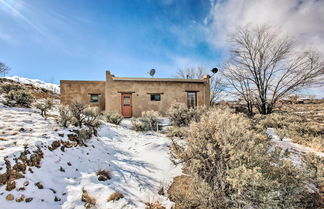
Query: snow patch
column 38, row 83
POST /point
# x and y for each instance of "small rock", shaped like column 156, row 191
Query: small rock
column 69, row 163
column 21, row 189
column 56, row 199
column 10, row 197
column 102, row 178
column 20, row 198
column 61, row 135
column 39, row 185
column 26, row 183
column 30, row 170
column 22, row 130
column 62, row 169
column 10, row 185
column 29, row 199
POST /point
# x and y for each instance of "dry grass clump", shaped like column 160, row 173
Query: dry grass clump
column 148, row 121
column 114, row 118
column 103, row 175
column 89, row 201
column 295, row 127
column 230, row 166
column 115, row 196
column 155, row 205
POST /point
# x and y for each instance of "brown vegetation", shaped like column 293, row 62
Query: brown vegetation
column 229, row 165
column 115, row 196
column 103, row 175
column 89, row 200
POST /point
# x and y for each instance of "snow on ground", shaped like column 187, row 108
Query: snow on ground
column 294, row 148
column 38, row 83
column 139, row 164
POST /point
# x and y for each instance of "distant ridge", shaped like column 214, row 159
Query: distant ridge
column 38, row 83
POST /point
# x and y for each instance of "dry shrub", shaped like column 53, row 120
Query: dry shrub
column 175, row 131
column 65, row 117
column 315, row 167
column 231, row 166
column 77, row 109
column 148, row 122
column 181, row 192
column 89, row 201
column 296, row 127
column 155, row 205
column 44, row 106
column 19, row 98
column 180, row 115
column 92, row 116
column 114, row 117
column 78, row 114
column 115, row 196
column 6, row 88
column 103, row 175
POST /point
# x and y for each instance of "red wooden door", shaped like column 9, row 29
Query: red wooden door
column 126, row 105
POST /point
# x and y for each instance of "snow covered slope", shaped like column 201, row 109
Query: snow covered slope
column 36, row 82
column 139, row 164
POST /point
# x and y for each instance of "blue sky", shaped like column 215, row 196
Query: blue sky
column 80, row 39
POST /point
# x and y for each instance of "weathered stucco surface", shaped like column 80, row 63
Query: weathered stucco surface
column 79, row 91
column 171, row 90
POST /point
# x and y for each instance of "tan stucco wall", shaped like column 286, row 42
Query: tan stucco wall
column 171, row 92
column 79, row 91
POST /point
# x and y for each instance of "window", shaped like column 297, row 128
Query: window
column 94, row 98
column 127, row 100
column 192, row 99
column 155, row 97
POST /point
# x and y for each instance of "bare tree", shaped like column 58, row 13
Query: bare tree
column 191, row 72
column 265, row 67
column 4, row 69
column 217, row 86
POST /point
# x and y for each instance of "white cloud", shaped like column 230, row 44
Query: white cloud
column 301, row 19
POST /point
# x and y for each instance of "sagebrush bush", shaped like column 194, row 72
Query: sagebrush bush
column 175, row 131
column 148, row 121
column 80, row 115
column 77, row 109
column 92, row 117
column 232, row 167
column 19, row 98
column 114, row 117
column 180, row 115
column 6, row 88
column 65, row 116
column 44, row 106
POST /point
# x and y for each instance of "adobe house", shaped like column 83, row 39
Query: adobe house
column 131, row 96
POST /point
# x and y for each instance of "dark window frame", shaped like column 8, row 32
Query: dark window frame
column 155, row 97
column 94, row 100
column 195, row 100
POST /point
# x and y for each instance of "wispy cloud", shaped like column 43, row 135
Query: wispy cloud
column 302, row 19
column 12, row 9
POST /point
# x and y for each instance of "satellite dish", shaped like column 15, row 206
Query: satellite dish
column 214, row 70
column 152, row 72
